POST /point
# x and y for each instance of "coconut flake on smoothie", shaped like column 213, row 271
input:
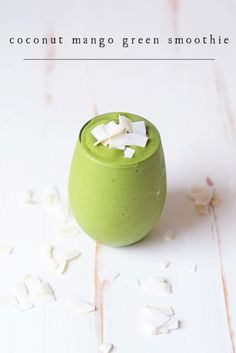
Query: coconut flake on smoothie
column 119, row 136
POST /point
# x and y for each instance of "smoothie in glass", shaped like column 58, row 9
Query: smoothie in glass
column 116, row 200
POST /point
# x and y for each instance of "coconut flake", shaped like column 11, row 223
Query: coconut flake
column 99, row 133
column 61, row 268
column 69, row 229
column 151, row 311
column 108, row 276
column 50, row 196
column 6, row 249
column 20, row 291
column 139, row 127
column 105, row 347
column 169, row 235
column 125, row 123
column 27, row 198
column 129, row 152
column 110, row 128
column 79, row 306
column 174, row 324
column 156, row 285
column 191, row 268
column 203, row 198
column 164, row 264
column 69, row 255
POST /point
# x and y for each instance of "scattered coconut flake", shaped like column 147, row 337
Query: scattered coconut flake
column 20, row 291
column 129, row 152
column 139, row 127
column 164, row 264
column 108, row 276
column 68, row 231
column 202, row 210
column 169, row 235
column 156, row 285
column 105, row 347
column 6, row 249
column 174, row 324
column 79, row 306
column 153, row 324
column 50, row 196
column 48, row 251
column 158, row 192
column 61, row 268
column 33, row 283
column 203, row 197
column 8, row 301
column 69, row 255
column 191, row 268
column 216, row 199
column 28, row 198
column 23, row 306
column 151, row 311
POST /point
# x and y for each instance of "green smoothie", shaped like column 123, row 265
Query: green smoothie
column 117, row 200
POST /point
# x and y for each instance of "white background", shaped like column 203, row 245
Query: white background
column 42, row 107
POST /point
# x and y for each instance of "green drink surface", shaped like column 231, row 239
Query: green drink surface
column 113, row 156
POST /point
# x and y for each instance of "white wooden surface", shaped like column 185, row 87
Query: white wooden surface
column 42, row 107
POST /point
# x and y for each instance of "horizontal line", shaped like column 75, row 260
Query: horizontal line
column 119, row 59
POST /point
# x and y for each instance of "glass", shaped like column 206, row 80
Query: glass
column 117, row 201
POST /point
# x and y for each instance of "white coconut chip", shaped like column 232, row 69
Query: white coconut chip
column 131, row 139
column 8, row 301
column 79, row 306
column 164, row 264
column 50, row 261
column 151, row 311
column 191, row 267
column 139, row 127
column 50, row 196
column 125, row 123
column 105, row 347
column 20, row 291
column 99, row 133
column 61, row 268
column 169, row 235
column 68, row 255
column 6, row 249
column 156, row 286
column 129, row 152
column 68, row 231
column 153, row 325
column 110, row 128
column 108, row 275
column 27, row 198
column 174, row 324
column 204, row 197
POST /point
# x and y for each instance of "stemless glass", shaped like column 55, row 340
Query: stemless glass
column 117, row 201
